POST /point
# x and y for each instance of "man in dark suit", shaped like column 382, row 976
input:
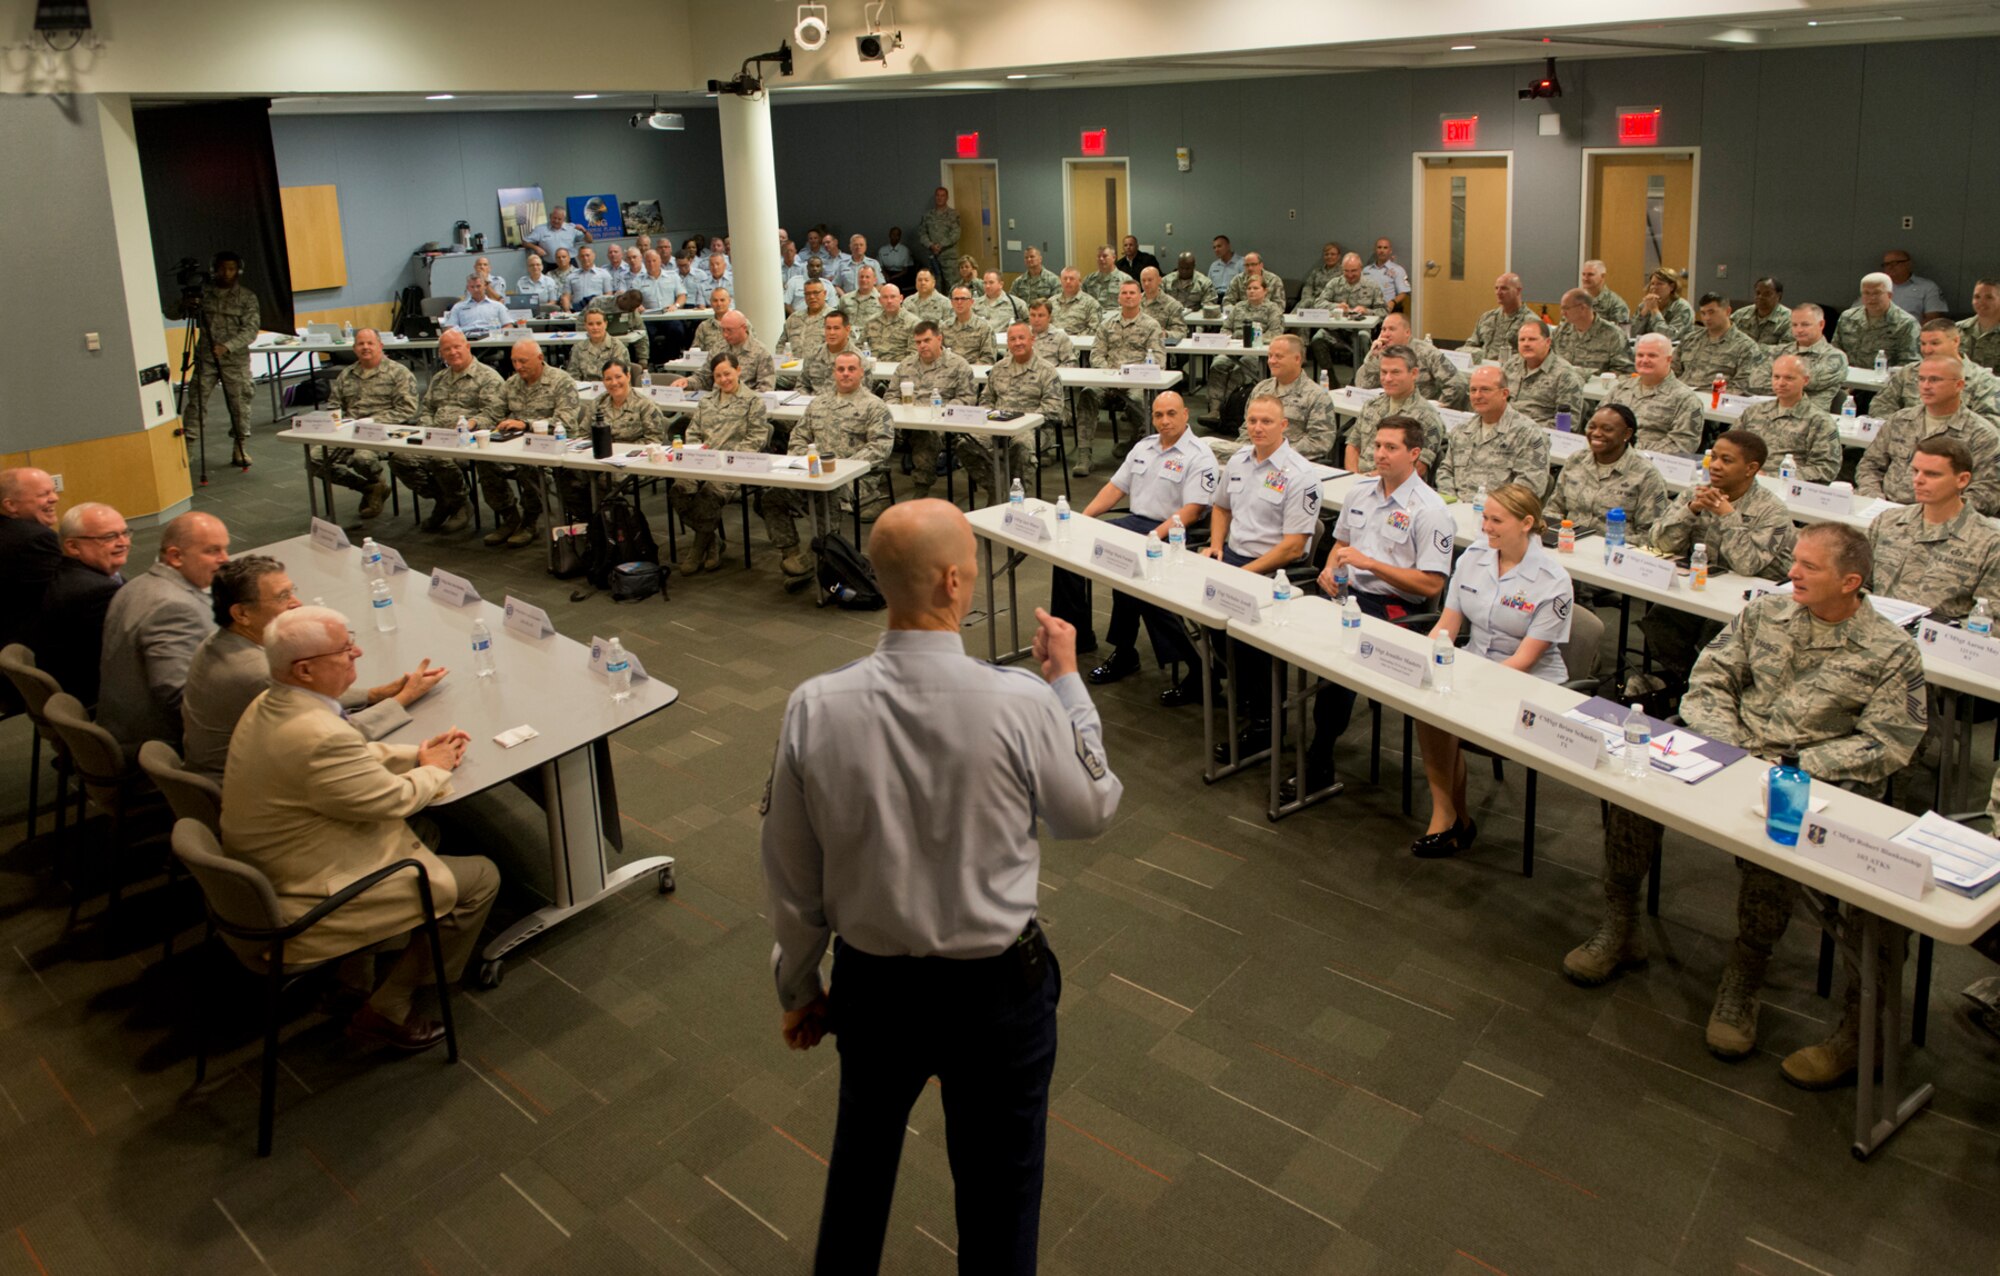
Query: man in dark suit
column 1132, row 261
column 29, row 551
column 67, row 634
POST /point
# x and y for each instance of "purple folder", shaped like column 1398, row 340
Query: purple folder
column 1614, row 713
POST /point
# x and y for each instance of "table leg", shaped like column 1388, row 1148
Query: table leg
column 1881, row 1109
column 1624, row 633
column 312, row 488
column 992, row 621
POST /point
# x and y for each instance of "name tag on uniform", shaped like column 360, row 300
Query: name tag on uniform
column 439, row 436
column 1406, row 667
column 1675, row 471
column 526, row 619
column 370, row 432
column 448, row 588
column 1552, row 731
column 1643, row 569
column 747, row 462
column 1872, row 859
column 1237, row 604
column 543, row 444
column 1960, row 647
column 1029, row 527
column 1119, row 560
column 317, row 422
column 964, row 414
column 329, row 535
column 1821, row 497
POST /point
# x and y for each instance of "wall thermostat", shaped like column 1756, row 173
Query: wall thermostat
column 1183, row 158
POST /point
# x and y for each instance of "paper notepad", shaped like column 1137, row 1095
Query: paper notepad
column 1964, row 860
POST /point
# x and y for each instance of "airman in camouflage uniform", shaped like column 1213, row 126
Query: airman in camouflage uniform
column 1552, row 383
column 1321, row 275
column 1590, row 342
column 1493, row 336
column 1051, row 342
column 998, row 312
column 933, row 367
column 1121, row 339
column 1754, row 540
column 891, row 334
column 1810, row 435
column 1438, row 378
column 1884, row 469
column 724, row 421
column 1943, row 566
column 1672, row 317
column 1360, row 454
column 939, row 225
column 1877, row 324
column 1189, row 286
column 1035, row 280
column 1604, row 303
column 1074, row 310
column 806, row 328
column 1021, row 382
column 1310, row 424
column 637, row 420
column 1669, row 413
column 816, row 372
column 1825, row 362
column 1847, row 697
column 231, row 317
column 1939, row 338
column 536, row 392
column 851, row 425
column 1239, row 287
column 1351, row 296
column 933, row 305
column 1773, row 329
column 1481, row 453
column 626, row 325
column 863, row 303
column 1102, row 284
column 1612, row 475
column 1166, row 310
column 966, row 335
column 1717, row 348
column 384, row 392
column 1979, row 335
column 1229, row 371
column 588, row 357
column 760, row 371
column 463, row 387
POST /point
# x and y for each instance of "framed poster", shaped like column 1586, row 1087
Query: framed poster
column 598, row 214
column 521, row 210
column 642, row 217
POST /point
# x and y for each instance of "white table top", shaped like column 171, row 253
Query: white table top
column 545, row 683
column 1179, row 592
column 512, row 452
column 1720, row 811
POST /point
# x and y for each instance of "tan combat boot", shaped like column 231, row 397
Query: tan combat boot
column 1732, row 1024
column 505, row 524
column 690, row 560
column 374, row 499
column 1616, row 945
column 711, row 553
column 1833, row 1062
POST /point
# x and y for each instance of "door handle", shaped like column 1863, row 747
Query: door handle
column 1430, row 269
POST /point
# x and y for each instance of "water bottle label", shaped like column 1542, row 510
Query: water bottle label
column 383, row 602
column 481, row 644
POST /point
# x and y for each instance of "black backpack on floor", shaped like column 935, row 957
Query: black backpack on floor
column 845, row 577
column 619, row 533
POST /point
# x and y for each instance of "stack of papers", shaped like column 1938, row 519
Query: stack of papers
column 1966, row 861
column 1673, row 752
column 1894, row 610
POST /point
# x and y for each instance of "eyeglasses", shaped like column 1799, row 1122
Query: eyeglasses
column 122, row 534
column 338, row 651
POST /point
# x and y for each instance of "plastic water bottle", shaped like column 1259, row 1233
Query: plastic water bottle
column 1062, row 520
column 1847, row 410
column 1156, row 557
column 1787, row 798
column 1325, row 381
column 1340, row 582
column 1698, row 567
column 1566, row 538
column 1788, row 468
column 937, row 405
column 618, row 668
column 1479, row 500
column 1614, row 531
column 813, row 467
column 1176, row 540
column 464, row 432
column 1281, row 593
column 1701, row 478
column 482, row 649
column 1443, row 654
column 383, row 604
column 1881, row 370
column 347, row 332
column 371, row 559
column 1350, row 626
column 1016, row 496
column 1638, row 744
column 1256, row 333
column 646, row 378
column 867, row 355
column 1151, row 360
column 560, row 431
column 1980, row 621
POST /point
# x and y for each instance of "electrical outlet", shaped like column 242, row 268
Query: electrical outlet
column 91, row 342
column 1170, row 228
column 1909, row 223
column 1010, row 223
column 57, row 480
column 1292, row 214
column 1721, row 271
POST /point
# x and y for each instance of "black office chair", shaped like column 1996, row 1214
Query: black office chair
column 242, row 905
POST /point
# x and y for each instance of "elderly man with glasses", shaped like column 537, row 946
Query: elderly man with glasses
column 67, row 632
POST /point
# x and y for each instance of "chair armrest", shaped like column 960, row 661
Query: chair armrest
column 344, row 896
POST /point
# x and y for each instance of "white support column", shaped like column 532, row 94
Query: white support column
column 750, row 186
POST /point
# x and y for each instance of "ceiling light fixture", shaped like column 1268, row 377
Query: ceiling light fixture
column 1463, row 48
column 439, row 97
column 585, row 97
column 812, row 28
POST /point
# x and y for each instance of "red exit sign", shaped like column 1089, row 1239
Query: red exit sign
column 1639, row 126
column 1093, row 141
column 1461, row 132
column 968, row 146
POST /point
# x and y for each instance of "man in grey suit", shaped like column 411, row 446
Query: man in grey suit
column 229, row 669
column 152, row 629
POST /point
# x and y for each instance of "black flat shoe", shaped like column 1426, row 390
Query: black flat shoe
column 1253, row 740
column 1185, row 692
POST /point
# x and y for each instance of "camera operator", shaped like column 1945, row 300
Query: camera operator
column 228, row 319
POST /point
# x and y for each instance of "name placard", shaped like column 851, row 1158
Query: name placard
column 1550, row 730
column 598, row 649
column 1119, row 560
column 1641, row 568
column 1822, row 497
column 370, row 432
column 329, row 535
column 438, row 436
column 747, row 462
column 1564, row 446
column 1029, row 527
column 542, row 444
column 668, row 394
column 1867, row 427
column 1406, row 667
column 701, row 459
column 1319, row 314
column 525, row 619
column 1873, row 859
column 392, row 560
column 966, row 413
column 1967, row 650
column 317, row 422
column 1204, row 340
column 452, row 589
column 1675, row 471
column 1138, row 372
column 1233, row 601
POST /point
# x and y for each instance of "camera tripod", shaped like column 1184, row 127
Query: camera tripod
column 195, row 334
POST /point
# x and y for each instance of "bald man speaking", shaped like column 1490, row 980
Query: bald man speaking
column 900, row 817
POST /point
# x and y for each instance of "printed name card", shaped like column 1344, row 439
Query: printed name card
column 1900, row 869
column 747, row 462
column 598, row 648
column 774, row 399
column 1675, row 471
column 1568, row 740
column 701, row 459
column 1960, row 647
column 1138, row 372
column 370, row 432
column 440, row 436
column 392, row 560
column 317, row 422
column 668, row 394
column 1204, row 340
column 1029, row 527
column 329, row 535
column 1564, row 446
column 1821, row 497
column 542, row 444
column 1233, row 601
column 966, row 413
column 526, row 619
column 1318, row 314
column 453, row 590
column 1642, row 568
column 1406, row 667
column 1867, row 427
column 1119, row 560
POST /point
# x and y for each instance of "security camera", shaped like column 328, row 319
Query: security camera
column 1548, row 86
column 877, row 45
column 811, row 31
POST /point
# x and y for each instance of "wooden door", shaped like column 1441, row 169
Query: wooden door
column 1641, row 210
column 1098, row 211
column 1465, row 242
column 975, row 193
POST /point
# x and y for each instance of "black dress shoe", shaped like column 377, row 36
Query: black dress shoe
column 1186, row 691
column 1316, row 779
column 1124, row 663
column 1253, row 739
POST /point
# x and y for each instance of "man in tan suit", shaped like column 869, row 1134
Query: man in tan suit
column 314, row 805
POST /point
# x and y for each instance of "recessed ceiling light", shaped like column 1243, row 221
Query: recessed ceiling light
column 585, row 97
column 1017, row 77
column 1463, row 48
column 439, row 97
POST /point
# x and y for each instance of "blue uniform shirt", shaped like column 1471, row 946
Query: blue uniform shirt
column 847, row 272
column 570, row 237
column 1159, row 481
column 1268, row 500
column 469, row 314
column 1221, row 273
column 585, row 284
column 1412, row 528
column 1531, row 601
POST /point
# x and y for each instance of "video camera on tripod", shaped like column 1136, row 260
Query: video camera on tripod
column 190, row 276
